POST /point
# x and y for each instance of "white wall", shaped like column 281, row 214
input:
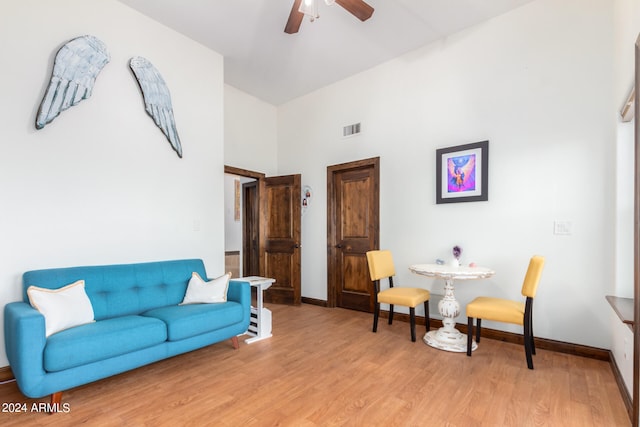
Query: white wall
column 250, row 143
column 232, row 228
column 627, row 28
column 250, row 132
column 101, row 184
column 537, row 83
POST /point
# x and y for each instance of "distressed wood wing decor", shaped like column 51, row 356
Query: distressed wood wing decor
column 157, row 100
column 76, row 66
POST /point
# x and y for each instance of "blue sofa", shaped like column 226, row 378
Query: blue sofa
column 138, row 321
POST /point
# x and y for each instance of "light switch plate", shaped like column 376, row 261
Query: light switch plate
column 562, row 227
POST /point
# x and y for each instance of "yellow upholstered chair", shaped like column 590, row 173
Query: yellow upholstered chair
column 381, row 267
column 507, row 311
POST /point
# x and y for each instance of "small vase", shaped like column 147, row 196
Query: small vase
column 455, row 262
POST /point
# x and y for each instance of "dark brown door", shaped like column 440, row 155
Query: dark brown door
column 281, row 227
column 353, row 229
column 250, row 230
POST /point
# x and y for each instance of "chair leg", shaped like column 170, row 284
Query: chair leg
column 376, row 313
column 478, row 327
column 528, row 339
column 412, row 318
column 427, row 318
column 527, row 351
column 533, row 344
column 469, row 334
column 390, row 313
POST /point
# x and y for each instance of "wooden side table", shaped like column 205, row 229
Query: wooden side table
column 260, row 323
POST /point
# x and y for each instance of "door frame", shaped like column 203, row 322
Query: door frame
column 260, row 177
column 635, row 394
column 251, row 228
column 332, row 253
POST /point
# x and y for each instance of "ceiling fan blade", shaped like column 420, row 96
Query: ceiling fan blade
column 295, row 18
column 357, row 8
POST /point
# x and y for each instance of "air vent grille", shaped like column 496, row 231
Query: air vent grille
column 351, row 130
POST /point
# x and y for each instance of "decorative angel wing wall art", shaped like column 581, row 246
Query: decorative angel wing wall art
column 76, row 66
column 157, row 100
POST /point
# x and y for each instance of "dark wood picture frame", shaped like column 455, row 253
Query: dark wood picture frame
column 465, row 166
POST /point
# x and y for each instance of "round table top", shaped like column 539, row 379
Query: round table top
column 446, row 271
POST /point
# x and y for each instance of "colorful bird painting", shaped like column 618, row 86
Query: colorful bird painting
column 461, row 171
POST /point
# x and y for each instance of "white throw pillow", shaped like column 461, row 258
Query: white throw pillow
column 200, row 291
column 62, row 308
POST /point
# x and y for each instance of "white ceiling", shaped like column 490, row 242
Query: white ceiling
column 264, row 61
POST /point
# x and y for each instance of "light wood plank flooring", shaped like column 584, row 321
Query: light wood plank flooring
column 324, row 367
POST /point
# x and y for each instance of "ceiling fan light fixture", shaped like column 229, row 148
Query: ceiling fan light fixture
column 301, row 8
column 309, row 8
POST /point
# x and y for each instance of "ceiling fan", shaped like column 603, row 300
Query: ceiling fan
column 300, row 8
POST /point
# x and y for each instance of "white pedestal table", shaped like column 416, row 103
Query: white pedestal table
column 448, row 337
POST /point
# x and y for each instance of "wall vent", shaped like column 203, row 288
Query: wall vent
column 351, row 130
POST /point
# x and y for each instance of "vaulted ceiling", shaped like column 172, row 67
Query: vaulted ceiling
column 264, row 61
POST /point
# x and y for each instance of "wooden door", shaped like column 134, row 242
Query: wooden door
column 250, row 229
column 280, row 223
column 352, row 230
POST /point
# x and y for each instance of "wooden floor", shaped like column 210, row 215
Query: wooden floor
column 324, row 367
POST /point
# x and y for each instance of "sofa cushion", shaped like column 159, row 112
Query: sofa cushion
column 62, row 308
column 101, row 340
column 185, row 321
column 201, row 291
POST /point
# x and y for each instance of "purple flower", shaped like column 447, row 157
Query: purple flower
column 457, row 251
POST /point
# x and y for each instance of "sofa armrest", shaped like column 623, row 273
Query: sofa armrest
column 24, row 337
column 240, row 292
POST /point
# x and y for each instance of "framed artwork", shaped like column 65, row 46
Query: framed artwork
column 462, row 173
column 236, row 200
